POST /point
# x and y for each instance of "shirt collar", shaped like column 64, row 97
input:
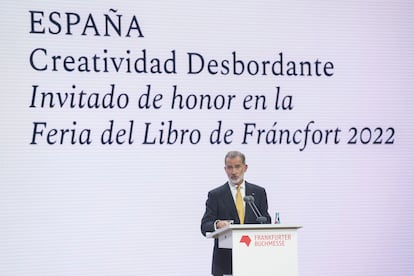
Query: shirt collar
column 232, row 186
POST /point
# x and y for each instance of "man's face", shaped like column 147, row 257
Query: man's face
column 235, row 170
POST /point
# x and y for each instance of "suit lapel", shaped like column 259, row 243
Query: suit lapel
column 228, row 201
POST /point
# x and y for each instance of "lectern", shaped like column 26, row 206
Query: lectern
column 261, row 249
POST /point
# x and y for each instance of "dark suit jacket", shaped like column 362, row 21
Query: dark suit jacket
column 220, row 206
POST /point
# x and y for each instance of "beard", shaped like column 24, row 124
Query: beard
column 236, row 181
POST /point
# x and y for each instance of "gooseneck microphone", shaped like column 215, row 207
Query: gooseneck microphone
column 249, row 199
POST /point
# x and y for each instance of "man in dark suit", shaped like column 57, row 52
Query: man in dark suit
column 225, row 203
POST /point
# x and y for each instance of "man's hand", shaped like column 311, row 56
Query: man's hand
column 222, row 224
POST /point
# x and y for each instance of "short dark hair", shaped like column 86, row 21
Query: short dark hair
column 234, row 154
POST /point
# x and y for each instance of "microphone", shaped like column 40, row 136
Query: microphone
column 249, row 199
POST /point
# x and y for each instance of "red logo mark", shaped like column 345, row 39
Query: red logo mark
column 245, row 239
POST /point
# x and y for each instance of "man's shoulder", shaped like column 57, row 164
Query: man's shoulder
column 254, row 187
column 219, row 189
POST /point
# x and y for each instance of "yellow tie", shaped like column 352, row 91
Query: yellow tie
column 240, row 205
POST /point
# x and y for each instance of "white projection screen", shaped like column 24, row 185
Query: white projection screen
column 116, row 115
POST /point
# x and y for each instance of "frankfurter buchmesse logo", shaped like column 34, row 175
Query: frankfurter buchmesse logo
column 281, row 239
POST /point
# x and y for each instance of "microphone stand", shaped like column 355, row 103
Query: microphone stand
column 259, row 217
